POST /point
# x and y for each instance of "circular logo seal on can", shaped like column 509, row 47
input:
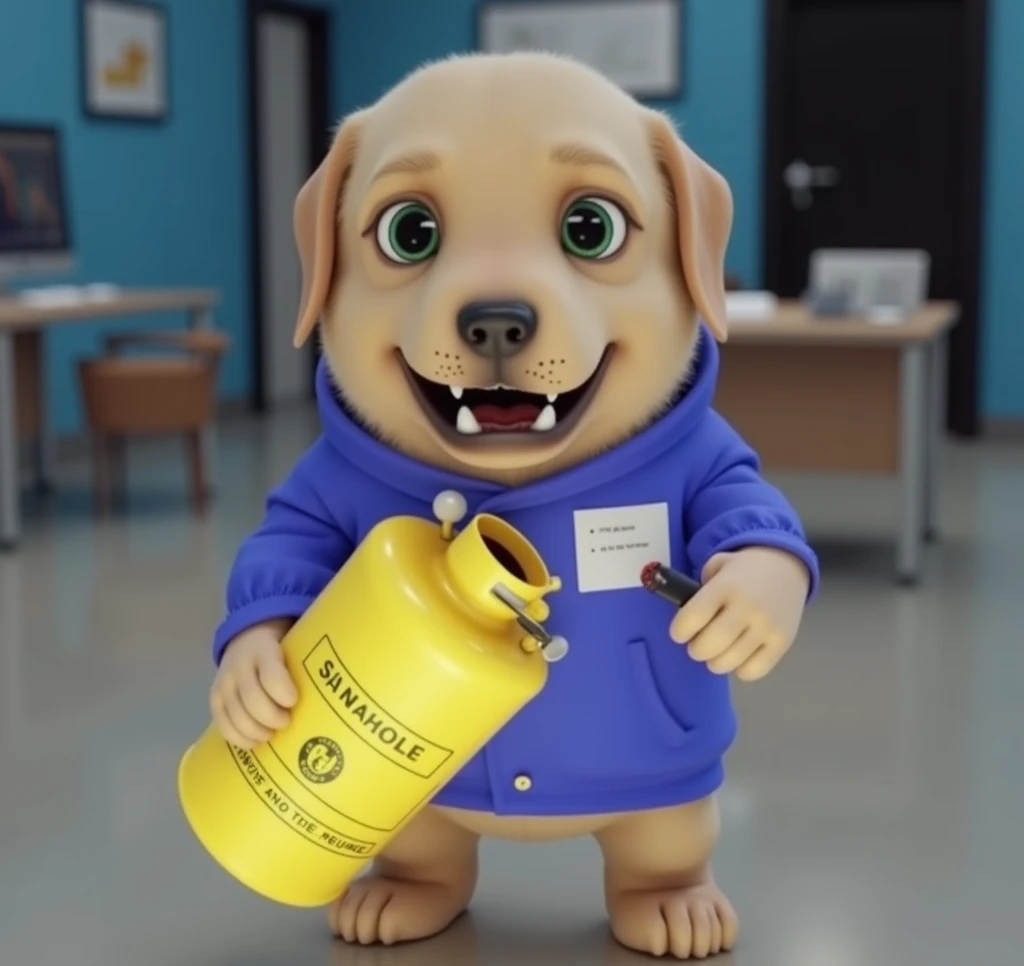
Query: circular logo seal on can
column 321, row 760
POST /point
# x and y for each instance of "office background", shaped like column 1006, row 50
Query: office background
column 879, row 767
column 193, row 231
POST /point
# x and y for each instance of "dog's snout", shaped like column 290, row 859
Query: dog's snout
column 497, row 328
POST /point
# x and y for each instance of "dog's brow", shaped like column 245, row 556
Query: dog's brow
column 415, row 162
column 581, row 156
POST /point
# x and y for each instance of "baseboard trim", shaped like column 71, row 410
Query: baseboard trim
column 1004, row 429
column 229, row 409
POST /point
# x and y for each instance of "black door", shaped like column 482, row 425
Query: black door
column 875, row 141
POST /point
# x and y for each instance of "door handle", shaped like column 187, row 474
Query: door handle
column 802, row 178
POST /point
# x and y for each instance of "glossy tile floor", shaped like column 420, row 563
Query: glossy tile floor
column 874, row 815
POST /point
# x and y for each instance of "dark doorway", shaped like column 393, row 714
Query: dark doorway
column 289, row 133
column 883, row 103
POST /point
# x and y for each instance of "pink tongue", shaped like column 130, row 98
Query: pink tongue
column 506, row 415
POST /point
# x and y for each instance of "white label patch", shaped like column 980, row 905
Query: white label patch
column 614, row 544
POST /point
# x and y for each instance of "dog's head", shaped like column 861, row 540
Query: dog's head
column 508, row 256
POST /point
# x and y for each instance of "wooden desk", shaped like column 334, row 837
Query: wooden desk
column 847, row 396
column 22, row 328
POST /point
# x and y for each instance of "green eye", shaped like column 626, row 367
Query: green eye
column 593, row 228
column 408, row 233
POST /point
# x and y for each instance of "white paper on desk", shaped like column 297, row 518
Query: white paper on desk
column 51, row 296
column 750, row 306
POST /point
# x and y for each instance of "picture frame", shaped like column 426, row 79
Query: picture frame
column 125, row 60
column 638, row 44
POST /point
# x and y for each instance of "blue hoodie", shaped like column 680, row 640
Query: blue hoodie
column 628, row 720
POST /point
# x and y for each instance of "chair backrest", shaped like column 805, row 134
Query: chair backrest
column 206, row 343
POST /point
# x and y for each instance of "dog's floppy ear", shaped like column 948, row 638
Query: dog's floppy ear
column 703, row 213
column 316, row 225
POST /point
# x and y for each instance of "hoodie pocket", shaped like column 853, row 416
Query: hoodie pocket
column 673, row 731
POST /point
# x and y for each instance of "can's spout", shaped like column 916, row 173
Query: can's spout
column 488, row 553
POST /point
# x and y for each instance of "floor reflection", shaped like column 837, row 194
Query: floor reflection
column 872, row 814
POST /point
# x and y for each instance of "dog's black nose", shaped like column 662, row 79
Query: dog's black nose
column 497, row 329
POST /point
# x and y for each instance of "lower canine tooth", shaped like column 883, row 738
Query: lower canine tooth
column 466, row 422
column 546, row 420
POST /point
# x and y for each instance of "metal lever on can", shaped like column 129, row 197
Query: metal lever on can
column 553, row 647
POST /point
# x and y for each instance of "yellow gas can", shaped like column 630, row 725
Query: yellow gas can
column 423, row 645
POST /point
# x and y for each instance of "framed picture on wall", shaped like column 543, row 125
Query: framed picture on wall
column 636, row 43
column 124, row 59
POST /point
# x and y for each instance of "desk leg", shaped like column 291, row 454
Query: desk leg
column 937, row 373
column 10, row 517
column 45, row 444
column 914, row 432
column 203, row 319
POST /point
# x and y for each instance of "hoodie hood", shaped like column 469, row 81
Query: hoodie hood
column 394, row 469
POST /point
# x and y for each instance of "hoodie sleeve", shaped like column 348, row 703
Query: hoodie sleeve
column 289, row 559
column 733, row 507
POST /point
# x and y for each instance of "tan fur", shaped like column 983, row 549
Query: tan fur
column 494, row 122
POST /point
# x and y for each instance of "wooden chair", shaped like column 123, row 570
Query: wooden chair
column 170, row 390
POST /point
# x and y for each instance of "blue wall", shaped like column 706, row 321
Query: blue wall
column 1002, row 280
column 721, row 114
column 379, row 41
column 151, row 205
column 168, row 204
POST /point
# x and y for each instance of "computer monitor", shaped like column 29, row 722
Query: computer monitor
column 35, row 238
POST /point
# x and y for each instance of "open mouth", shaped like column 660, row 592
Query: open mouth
column 500, row 411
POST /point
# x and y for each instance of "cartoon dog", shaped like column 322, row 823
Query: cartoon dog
column 517, row 272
